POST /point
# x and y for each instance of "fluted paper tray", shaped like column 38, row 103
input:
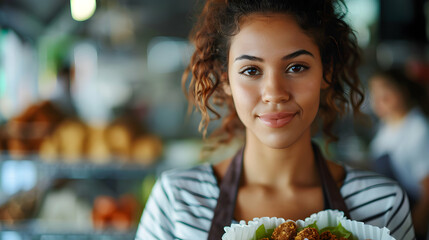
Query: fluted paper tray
column 360, row 231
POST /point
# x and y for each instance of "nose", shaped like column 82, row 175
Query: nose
column 275, row 89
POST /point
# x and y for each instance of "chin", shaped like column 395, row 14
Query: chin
column 280, row 142
column 278, row 138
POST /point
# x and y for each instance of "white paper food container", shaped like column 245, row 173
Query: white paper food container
column 360, row 231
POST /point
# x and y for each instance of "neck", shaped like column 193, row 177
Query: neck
column 396, row 117
column 277, row 168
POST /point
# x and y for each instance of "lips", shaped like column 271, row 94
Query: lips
column 276, row 120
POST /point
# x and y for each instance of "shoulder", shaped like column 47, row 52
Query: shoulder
column 360, row 185
column 377, row 200
column 181, row 205
column 201, row 174
column 417, row 116
column 194, row 182
column 364, row 178
column 416, row 123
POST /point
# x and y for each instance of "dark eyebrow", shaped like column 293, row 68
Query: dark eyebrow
column 287, row 57
column 297, row 53
column 248, row 57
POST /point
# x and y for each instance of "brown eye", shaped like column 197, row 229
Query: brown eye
column 296, row 68
column 251, row 71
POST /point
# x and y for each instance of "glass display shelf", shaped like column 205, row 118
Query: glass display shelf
column 80, row 170
column 21, row 234
column 94, row 171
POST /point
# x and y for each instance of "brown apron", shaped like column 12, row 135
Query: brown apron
column 224, row 211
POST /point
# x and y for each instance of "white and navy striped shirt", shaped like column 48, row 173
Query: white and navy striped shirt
column 182, row 204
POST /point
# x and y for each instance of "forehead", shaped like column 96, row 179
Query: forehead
column 261, row 32
column 380, row 85
column 380, row 82
column 267, row 18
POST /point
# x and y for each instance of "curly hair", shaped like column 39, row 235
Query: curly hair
column 322, row 20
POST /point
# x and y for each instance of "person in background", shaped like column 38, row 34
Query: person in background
column 400, row 148
column 278, row 68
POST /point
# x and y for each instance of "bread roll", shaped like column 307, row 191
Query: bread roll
column 147, row 149
column 71, row 136
column 97, row 149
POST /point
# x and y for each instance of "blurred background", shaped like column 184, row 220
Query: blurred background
column 92, row 110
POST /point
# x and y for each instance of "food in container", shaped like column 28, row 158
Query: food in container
column 332, row 220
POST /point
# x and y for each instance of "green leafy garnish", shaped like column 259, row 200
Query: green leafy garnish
column 261, row 232
column 338, row 231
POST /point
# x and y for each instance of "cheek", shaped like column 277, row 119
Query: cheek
column 384, row 106
column 244, row 96
column 308, row 96
column 376, row 99
column 312, row 105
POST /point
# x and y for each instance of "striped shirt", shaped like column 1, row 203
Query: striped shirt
column 182, row 203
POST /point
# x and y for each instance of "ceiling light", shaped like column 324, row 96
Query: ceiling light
column 82, row 10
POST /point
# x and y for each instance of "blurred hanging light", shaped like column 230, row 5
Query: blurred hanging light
column 82, row 10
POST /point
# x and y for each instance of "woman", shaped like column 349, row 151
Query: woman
column 276, row 65
column 400, row 148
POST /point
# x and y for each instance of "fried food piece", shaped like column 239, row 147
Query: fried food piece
column 327, row 236
column 308, row 233
column 285, row 231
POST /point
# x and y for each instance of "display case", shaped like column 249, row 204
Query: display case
column 40, row 200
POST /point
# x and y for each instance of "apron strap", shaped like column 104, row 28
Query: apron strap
column 224, row 211
column 331, row 193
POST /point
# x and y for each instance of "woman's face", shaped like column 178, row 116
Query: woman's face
column 275, row 75
column 386, row 102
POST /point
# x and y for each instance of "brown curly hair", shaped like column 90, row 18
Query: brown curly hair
column 323, row 20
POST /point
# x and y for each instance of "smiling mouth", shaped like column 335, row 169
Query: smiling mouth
column 276, row 120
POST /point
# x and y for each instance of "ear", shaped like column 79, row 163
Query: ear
column 225, row 84
column 327, row 79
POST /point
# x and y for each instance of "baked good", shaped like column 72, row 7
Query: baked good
column 97, row 149
column 146, row 150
